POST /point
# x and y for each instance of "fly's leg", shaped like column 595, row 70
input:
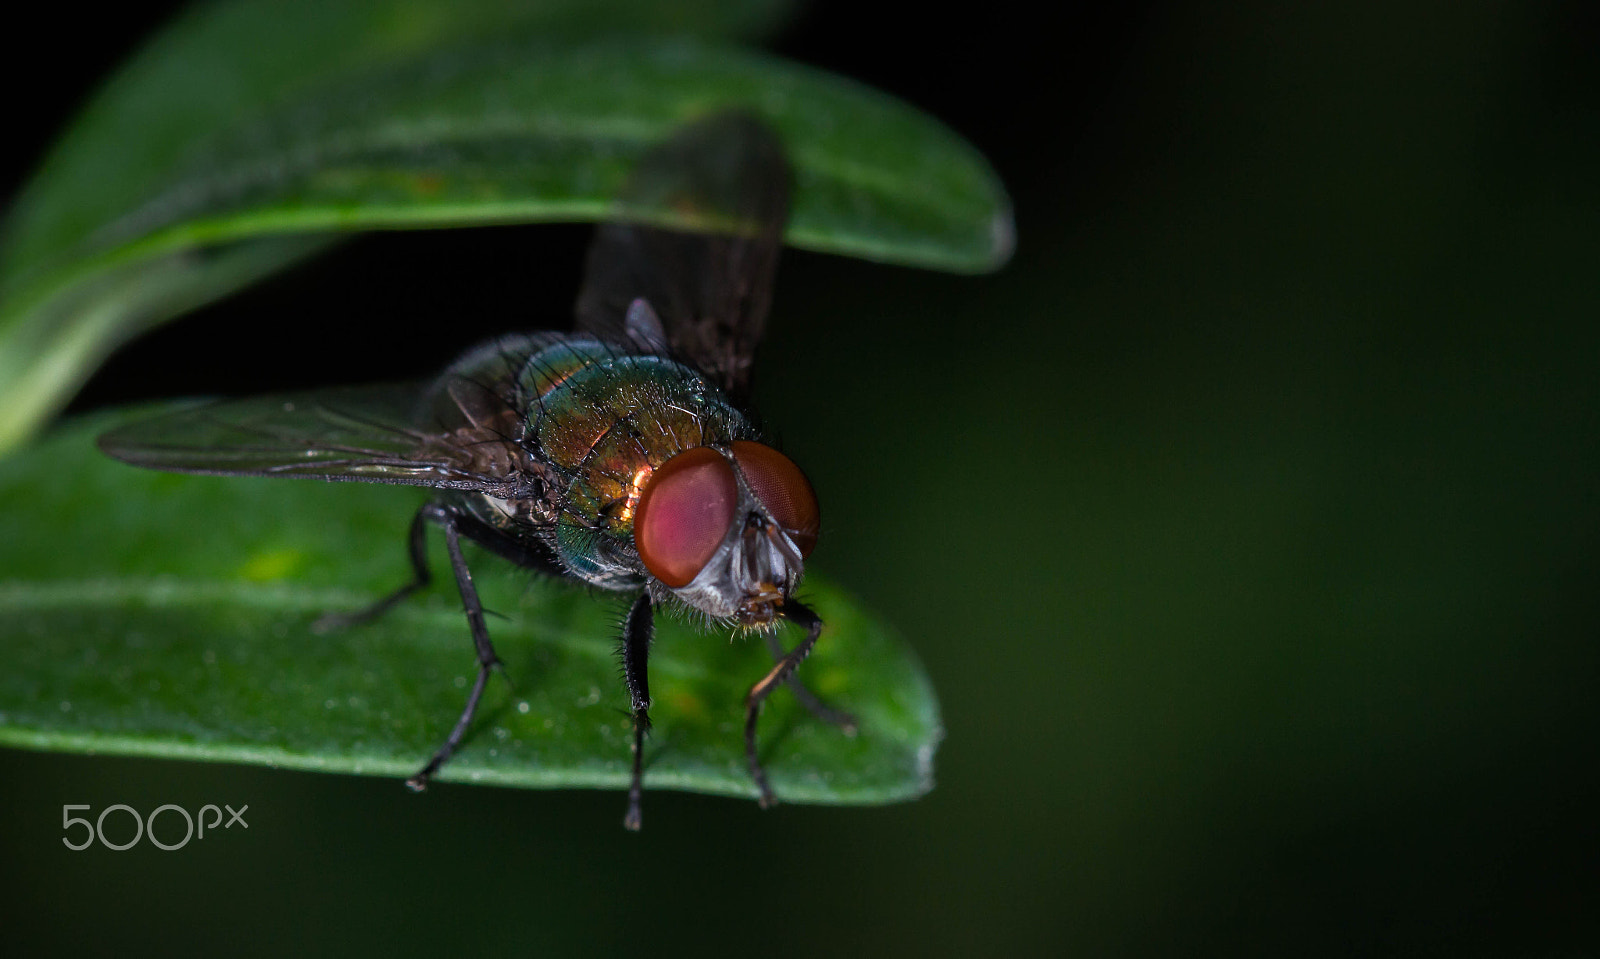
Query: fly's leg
column 420, row 578
column 453, row 521
column 801, row 616
column 456, row 524
column 636, row 637
column 816, row 707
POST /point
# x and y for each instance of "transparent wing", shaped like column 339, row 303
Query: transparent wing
column 710, row 286
column 407, row 434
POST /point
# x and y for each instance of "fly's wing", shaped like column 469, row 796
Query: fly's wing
column 373, row 434
column 710, row 286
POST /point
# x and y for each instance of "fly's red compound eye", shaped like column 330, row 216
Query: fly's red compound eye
column 684, row 513
column 783, row 490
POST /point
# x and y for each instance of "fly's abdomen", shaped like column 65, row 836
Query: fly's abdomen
column 605, row 420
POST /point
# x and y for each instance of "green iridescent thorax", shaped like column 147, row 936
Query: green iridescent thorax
column 605, row 420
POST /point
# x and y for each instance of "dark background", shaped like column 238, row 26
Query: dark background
column 1246, row 523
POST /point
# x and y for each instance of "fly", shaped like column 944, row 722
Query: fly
column 620, row 455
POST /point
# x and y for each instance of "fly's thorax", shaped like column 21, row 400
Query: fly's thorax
column 605, row 420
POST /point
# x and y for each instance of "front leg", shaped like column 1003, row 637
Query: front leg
column 801, row 615
column 636, row 637
column 816, row 707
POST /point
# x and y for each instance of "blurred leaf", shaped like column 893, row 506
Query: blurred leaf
column 147, row 613
column 257, row 123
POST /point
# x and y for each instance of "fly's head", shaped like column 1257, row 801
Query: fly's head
column 727, row 529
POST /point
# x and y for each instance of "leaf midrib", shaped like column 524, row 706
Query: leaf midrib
column 178, row 593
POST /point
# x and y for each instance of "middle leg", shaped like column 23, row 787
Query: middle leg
column 636, row 637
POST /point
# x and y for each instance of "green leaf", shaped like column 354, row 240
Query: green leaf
column 147, row 613
column 253, row 128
